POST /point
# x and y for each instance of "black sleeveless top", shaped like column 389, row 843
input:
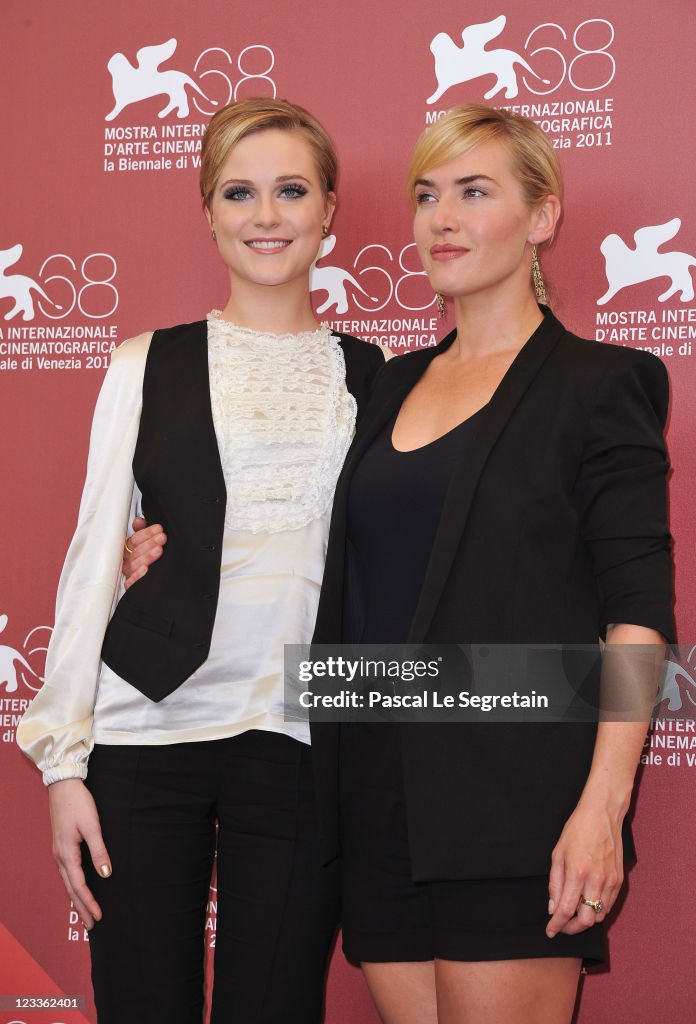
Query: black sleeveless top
column 394, row 508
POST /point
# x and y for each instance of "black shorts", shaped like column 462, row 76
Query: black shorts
column 387, row 917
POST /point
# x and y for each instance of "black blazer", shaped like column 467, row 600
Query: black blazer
column 552, row 529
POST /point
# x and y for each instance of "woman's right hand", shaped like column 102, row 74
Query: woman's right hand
column 146, row 546
column 74, row 818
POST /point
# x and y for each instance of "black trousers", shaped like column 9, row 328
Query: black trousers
column 277, row 906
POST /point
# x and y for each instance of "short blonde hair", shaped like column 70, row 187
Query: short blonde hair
column 534, row 161
column 237, row 120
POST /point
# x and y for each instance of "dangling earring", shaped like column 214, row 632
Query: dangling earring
column 324, row 230
column 538, row 279
column 440, row 304
column 213, row 235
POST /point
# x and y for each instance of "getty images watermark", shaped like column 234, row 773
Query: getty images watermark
column 487, row 682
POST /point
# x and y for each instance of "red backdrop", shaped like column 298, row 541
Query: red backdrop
column 102, row 237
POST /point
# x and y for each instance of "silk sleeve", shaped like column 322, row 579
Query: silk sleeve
column 56, row 730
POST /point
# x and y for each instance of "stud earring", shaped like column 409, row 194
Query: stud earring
column 324, row 230
column 440, row 304
column 213, row 235
column 538, row 279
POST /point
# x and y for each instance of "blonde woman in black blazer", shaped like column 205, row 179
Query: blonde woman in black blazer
column 479, row 861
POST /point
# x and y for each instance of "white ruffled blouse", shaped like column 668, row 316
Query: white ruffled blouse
column 283, row 420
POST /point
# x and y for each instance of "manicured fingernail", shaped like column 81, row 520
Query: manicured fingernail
column 105, row 870
column 551, row 906
column 550, row 934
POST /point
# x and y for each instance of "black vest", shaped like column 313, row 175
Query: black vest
column 161, row 629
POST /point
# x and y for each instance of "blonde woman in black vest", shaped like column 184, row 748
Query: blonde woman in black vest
column 161, row 718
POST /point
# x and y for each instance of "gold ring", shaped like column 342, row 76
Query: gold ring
column 595, row 905
column 129, row 550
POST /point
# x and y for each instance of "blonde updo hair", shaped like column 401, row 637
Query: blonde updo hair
column 534, row 161
column 237, row 120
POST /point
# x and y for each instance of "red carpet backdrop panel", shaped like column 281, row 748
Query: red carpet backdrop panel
column 102, row 237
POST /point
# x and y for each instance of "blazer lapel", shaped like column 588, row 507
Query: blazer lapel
column 391, row 390
column 465, row 478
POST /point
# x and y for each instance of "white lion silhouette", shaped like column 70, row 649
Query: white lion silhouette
column 11, row 661
column 456, row 64
column 676, row 680
column 625, row 266
column 132, row 84
column 332, row 280
column 19, row 287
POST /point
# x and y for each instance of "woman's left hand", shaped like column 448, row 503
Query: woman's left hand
column 587, row 863
column 144, row 546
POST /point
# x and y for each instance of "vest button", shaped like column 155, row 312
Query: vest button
column 199, row 647
column 210, row 547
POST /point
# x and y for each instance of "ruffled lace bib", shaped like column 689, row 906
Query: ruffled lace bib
column 284, row 420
